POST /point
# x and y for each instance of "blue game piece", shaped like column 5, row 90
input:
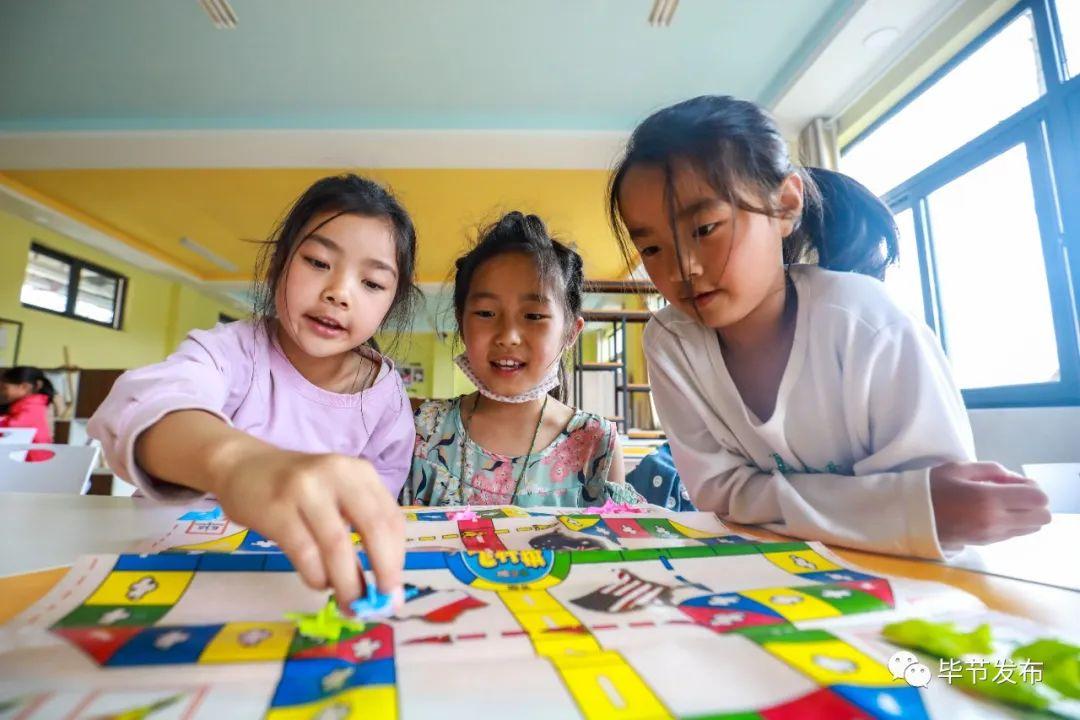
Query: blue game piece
column 376, row 604
column 203, row 515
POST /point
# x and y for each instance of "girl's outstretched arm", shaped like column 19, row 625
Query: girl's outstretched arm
column 304, row 502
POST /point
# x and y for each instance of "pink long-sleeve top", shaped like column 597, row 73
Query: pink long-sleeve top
column 238, row 372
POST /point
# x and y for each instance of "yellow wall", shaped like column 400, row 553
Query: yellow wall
column 447, row 205
column 442, row 379
column 158, row 311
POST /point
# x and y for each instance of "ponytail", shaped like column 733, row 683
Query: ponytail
column 739, row 150
column 845, row 225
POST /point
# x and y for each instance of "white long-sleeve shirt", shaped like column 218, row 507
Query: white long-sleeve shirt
column 866, row 407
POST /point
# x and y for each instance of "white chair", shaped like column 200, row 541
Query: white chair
column 67, row 471
column 1060, row 481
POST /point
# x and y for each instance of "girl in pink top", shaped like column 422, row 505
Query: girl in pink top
column 295, row 424
column 27, row 393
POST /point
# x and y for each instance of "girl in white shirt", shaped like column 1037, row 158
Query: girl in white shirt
column 798, row 396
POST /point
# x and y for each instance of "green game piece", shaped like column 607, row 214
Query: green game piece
column 326, row 624
column 940, row 638
column 1021, row 693
column 1060, row 664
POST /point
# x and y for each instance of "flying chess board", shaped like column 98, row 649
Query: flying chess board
column 654, row 615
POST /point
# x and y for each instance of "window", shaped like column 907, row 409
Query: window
column 72, row 287
column 1068, row 12
column 902, row 277
column 953, row 110
column 979, row 166
column 997, row 278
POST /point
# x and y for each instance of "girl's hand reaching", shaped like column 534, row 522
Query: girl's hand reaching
column 302, row 501
column 980, row 503
column 306, row 503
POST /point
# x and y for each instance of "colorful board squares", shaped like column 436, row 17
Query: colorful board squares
column 830, row 661
column 314, row 680
column 374, row 642
column 371, row 702
column 141, row 587
column 839, row 701
column 726, row 612
column 604, row 685
column 800, row 561
column 113, row 616
column 239, row 642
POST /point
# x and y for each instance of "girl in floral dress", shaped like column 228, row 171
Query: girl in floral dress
column 517, row 301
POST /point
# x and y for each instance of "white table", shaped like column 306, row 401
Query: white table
column 1047, row 557
column 40, row 531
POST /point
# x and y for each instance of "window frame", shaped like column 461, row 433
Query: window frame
column 1052, row 139
column 75, row 267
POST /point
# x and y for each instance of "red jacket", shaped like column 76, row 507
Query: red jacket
column 31, row 411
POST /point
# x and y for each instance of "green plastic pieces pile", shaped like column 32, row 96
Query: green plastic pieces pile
column 1059, row 661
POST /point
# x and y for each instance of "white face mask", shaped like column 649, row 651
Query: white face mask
column 545, row 385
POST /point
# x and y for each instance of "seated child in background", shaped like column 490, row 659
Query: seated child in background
column 295, row 424
column 27, row 393
column 517, row 301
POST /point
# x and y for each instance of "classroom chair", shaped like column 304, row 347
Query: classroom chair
column 67, row 471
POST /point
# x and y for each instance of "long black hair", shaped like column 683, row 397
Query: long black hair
column 558, row 266
column 34, row 376
column 347, row 194
column 739, row 150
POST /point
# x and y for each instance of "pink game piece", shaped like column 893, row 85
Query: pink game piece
column 609, row 507
column 466, row 514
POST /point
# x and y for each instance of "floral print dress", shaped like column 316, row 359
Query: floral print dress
column 570, row 472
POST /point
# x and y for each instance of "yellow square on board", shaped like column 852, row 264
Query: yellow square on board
column 240, row 642
column 801, row 561
column 141, row 587
column 371, row 702
column 558, row 645
column 791, row 604
column 530, row 601
column 832, row 662
column 612, row 689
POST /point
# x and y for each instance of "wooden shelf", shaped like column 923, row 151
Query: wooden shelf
column 621, row 287
column 600, row 366
column 616, row 315
column 646, row 435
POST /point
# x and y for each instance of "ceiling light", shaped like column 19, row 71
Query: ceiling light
column 221, row 13
column 881, row 38
column 662, row 12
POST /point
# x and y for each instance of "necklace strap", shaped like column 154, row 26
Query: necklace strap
column 528, row 455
